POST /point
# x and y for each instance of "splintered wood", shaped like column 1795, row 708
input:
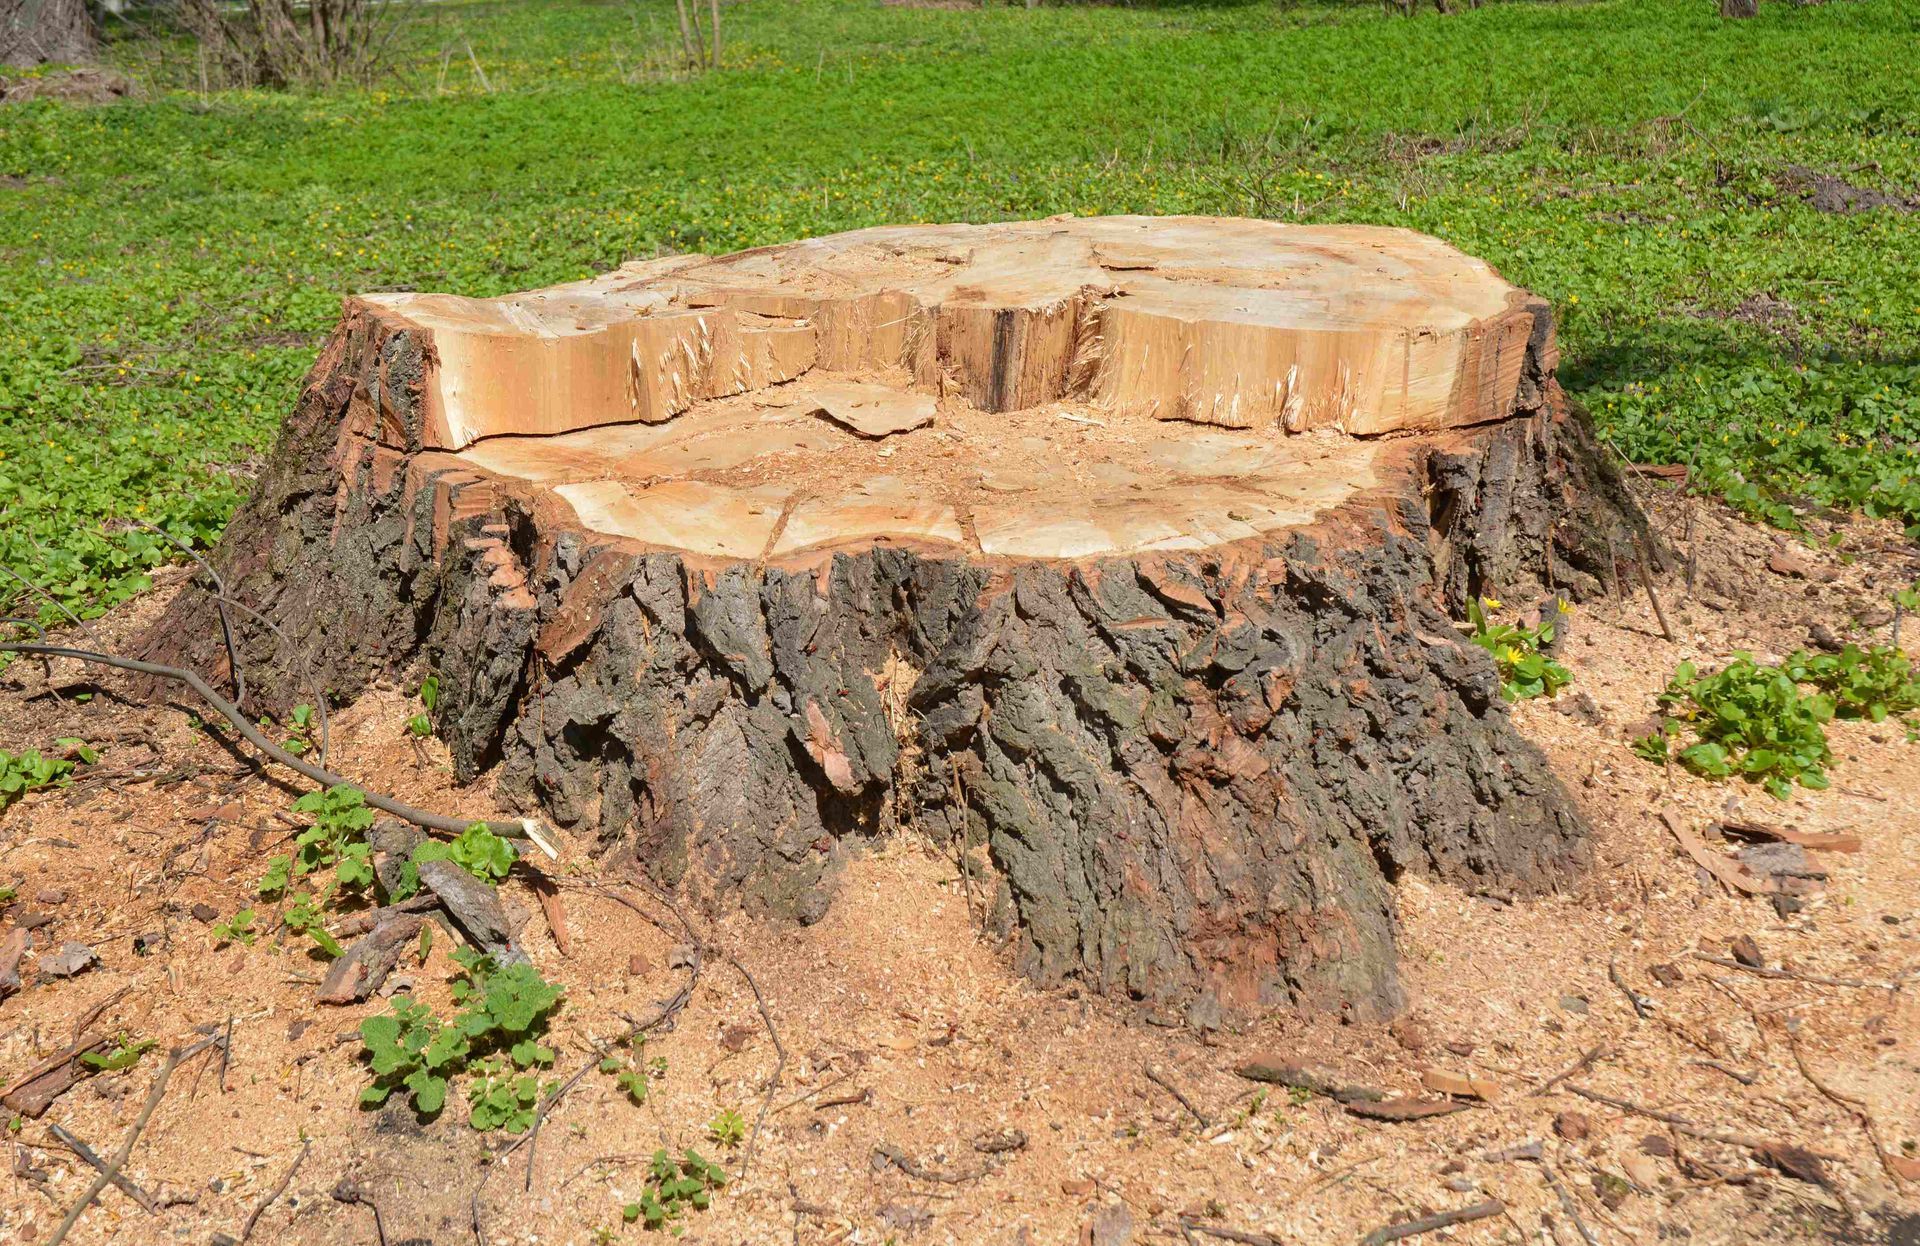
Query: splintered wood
column 1051, row 389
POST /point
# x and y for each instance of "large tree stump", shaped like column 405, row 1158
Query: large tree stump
column 1119, row 551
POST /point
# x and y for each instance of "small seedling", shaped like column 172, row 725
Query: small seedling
column 1519, row 652
column 675, row 1185
column 301, row 722
column 727, row 1129
column 633, row 1076
column 501, row 1098
column 236, row 929
column 124, row 1054
column 29, row 771
column 420, row 726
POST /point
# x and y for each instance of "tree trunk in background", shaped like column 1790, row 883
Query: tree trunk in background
column 1739, row 8
column 39, row 32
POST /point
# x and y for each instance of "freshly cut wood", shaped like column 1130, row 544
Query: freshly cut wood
column 1099, row 562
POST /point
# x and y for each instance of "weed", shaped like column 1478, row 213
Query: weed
column 301, row 722
column 495, row 1037
column 124, row 1054
column 727, row 1129
column 632, row 1074
column 1518, row 652
column 1871, row 683
column 236, row 929
column 673, row 1187
column 420, row 725
column 1752, row 721
column 21, row 773
column 337, row 838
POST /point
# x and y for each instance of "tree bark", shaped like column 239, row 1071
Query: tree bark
column 41, row 32
column 1739, row 8
column 1184, row 775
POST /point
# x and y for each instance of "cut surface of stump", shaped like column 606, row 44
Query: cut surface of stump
column 1115, row 556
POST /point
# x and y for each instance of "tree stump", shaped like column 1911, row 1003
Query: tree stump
column 1115, row 556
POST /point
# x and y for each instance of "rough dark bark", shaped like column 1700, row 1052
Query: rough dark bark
column 1189, row 778
column 42, row 32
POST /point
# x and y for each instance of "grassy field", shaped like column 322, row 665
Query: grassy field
column 167, row 267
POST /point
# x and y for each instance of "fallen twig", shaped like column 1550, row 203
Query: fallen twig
column 779, row 1065
column 220, row 603
column 120, row 1181
column 253, row 1217
column 1854, row 1106
column 1642, row 1006
column 119, row 1159
column 1793, row 976
column 887, row 1153
column 346, row 1192
column 1578, row 1067
column 1566, row 1202
column 1427, row 1224
column 1161, row 1080
column 1681, row 1123
column 318, row 774
column 1229, row 1235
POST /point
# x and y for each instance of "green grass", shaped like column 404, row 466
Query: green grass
column 168, row 267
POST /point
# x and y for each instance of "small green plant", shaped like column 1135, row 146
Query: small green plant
column 420, row 725
column 307, row 915
column 495, row 1036
column 632, row 1074
column 727, row 1129
column 337, row 838
column 1874, row 684
column 124, row 1054
column 477, row 850
column 301, row 725
column 236, row 929
column 21, row 773
column 1752, row 721
column 673, row 1187
column 1519, row 652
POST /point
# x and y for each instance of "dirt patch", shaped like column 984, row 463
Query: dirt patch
column 73, row 86
column 1829, row 193
column 910, row 1037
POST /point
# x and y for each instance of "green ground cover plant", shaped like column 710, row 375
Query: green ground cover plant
column 1696, row 196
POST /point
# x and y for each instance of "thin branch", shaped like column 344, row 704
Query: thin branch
column 1161, row 1080
column 253, row 1217
column 220, row 602
column 120, row 1181
column 779, row 1066
column 119, row 1159
column 1792, row 976
column 318, row 774
column 1427, row 1224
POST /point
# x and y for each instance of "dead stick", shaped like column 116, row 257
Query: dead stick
column 1681, row 1123
column 120, row 1181
column 1855, row 1106
column 1577, row 1067
column 253, row 1217
column 220, row 603
column 779, row 1066
column 1427, row 1224
column 226, row 710
column 1567, row 1204
column 1791, row 976
column 1160, row 1079
column 119, row 1159
column 1228, row 1235
column 1642, row 1006
column 1646, row 582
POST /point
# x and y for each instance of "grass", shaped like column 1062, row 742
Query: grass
column 168, row 267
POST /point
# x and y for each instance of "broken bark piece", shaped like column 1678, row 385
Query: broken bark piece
column 72, row 958
column 473, row 905
column 1279, row 1072
column 12, row 948
column 359, row 971
column 1156, row 608
column 34, row 1091
column 1824, row 841
column 1405, row 1109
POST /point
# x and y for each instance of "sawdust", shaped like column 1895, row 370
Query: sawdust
column 926, row 1043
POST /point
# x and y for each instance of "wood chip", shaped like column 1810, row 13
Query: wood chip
column 1442, row 1082
column 1406, row 1109
column 1724, row 868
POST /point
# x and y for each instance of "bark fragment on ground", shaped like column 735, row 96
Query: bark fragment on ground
column 1184, row 693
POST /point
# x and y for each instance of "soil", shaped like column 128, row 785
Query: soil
column 906, row 1033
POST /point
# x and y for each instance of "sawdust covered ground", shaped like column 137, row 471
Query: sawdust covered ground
column 910, row 1045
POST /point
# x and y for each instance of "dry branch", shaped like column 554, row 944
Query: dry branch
column 1427, row 1224
column 319, row 774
